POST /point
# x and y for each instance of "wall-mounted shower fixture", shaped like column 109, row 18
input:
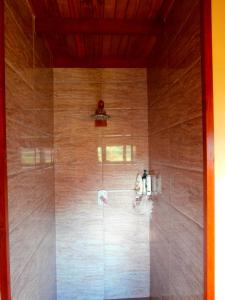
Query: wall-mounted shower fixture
column 156, row 183
column 100, row 115
column 149, row 184
column 143, row 185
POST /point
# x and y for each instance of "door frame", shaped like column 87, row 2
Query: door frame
column 208, row 140
column 4, row 228
column 207, row 88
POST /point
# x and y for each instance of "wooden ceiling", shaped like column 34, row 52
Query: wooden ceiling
column 100, row 33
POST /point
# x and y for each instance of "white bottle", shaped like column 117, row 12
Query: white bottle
column 149, row 185
column 144, row 190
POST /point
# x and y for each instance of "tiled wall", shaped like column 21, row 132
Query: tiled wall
column 176, row 152
column 29, row 113
column 102, row 253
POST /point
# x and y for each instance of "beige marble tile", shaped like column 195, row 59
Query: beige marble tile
column 80, row 75
column 28, row 235
column 46, row 256
column 81, row 287
column 72, row 124
column 29, row 116
column 80, row 259
column 126, row 284
column 83, row 150
column 120, row 176
column 26, row 286
column 159, row 115
column 140, row 122
column 160, row 269
column 15, row 85
column 18, row 46
column 125, row 96
column 124, row 75
column 188, row 136
column 160, row 147
column 126, row 230
column 79, row 177
column 80, row 205
column 26, row 191
column 120, row 123
column 186, row 99
column 141, row 150
column 158, row 76
column 129, row 150
column 187, row 193
column 93, row 239
column 77, row 96
column 118, row 258
column 176, row 151
column 188, row 41
column 27, row 148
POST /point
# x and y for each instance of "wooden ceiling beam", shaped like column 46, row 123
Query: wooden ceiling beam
column 48, row 26
column 99, row 62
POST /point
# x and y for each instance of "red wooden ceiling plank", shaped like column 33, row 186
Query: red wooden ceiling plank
column 64, row 9
column 43, row 8
column 114, row 46
column 132, row 9
column 53, row 8
column 74, row 8
column 155, row 8
column 98, row 26
column 38, row 7
column 106, row 44
column 119, row 45
column 57, row 45
column 99, row 47
column 69, row 8
column 99, row 9
column 121, row 9
column 79, row 41
column 123, row 46
column 94, row 45
column 151, row 9
column 100, row 44
column 71, row 45
column 99, row 62
column 135, row 42
column 86, row 9
column 88, row 46
column 138, row 9
column 109, row 9
column 145, row 8
column 165, row 9
column 147, row 46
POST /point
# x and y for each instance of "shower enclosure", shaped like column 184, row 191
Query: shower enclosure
column 64, row 242
column 102, row 248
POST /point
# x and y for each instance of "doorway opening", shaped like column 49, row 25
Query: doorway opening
column 146, row 64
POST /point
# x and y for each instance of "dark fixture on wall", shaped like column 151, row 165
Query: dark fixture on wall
column 100, row 115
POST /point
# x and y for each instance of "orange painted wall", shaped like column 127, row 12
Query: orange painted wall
column 218, row 42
